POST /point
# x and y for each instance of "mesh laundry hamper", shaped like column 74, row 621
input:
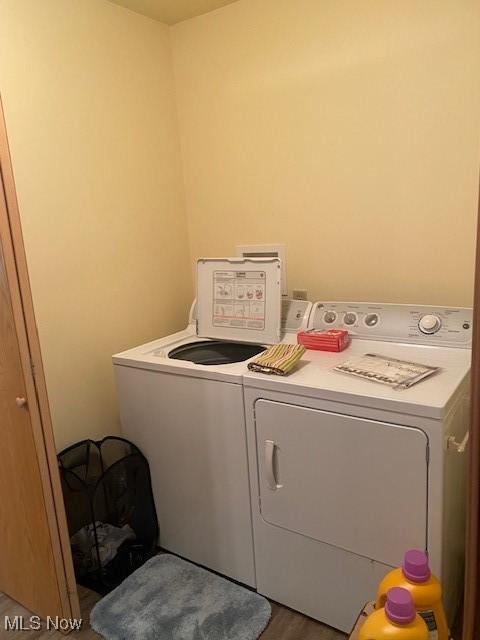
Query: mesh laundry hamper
column 110, row 510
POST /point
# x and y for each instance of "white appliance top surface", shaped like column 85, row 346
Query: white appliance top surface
column 430, row 398
column 314, row 376
column 154, row 355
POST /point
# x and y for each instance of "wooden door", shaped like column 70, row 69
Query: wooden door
column 35, row 560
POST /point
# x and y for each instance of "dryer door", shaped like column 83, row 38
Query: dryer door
column 357, row 484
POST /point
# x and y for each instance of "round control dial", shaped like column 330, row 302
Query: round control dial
column 429, row 324
column 371, row 319
column 350, row 318
column 329, row 317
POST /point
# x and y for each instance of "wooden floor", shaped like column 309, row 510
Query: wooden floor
column 284, row 625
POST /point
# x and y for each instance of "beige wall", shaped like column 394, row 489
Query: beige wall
column 349, row 130
column 88, row 94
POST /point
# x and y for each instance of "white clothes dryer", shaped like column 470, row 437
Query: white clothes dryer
column 347, row 474
column 181, row 402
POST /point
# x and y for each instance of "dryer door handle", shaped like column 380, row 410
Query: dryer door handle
column 270, row 447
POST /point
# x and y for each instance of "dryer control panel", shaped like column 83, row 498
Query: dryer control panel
column 416, row 324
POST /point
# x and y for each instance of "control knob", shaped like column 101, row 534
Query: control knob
column 429, row 324
column 350, row 318
column 330, row 317
column 371, row 319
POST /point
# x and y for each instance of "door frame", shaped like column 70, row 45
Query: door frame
column 11, row 238
column 471, row 615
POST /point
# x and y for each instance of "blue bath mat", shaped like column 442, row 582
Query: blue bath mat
column 171, row 599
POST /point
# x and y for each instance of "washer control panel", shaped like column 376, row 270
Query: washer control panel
column 441, row 326
column 295, row 314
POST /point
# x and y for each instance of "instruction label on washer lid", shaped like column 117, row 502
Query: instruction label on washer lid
column 239, row 299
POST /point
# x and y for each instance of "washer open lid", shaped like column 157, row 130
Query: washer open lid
column 239, row 299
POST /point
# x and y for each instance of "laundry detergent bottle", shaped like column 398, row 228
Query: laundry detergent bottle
column 398, row 620
column 425, row 589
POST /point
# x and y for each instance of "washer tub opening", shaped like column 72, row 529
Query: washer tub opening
column 212, row 352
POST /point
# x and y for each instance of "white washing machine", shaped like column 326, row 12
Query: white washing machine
column 347, row 474
column 181, row 402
